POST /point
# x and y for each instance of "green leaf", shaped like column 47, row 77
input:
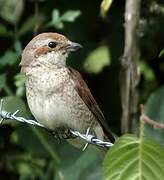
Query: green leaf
column 105, row 6
column 97, row 60
column 19, row 83
column 18, row 47
column 155, row 110
column 19, row 80
column 5, row 32
column 70, row 16
column 85, row 164
column 146, row 71
column 9, row 58
column 131, row 159
column 39, row 143
column 3, row 29
column 56, row 20
column 13, row 103
column 11, row 10
column 55, row 15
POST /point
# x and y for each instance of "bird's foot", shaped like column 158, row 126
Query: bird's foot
column 62, row 133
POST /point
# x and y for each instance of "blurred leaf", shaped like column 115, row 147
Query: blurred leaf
column 52, row 153
column 155, row 110
column 55, row 15
column 97, row 60
column 105, row 6
column 2, row 81
column 13, row 103
column 70, row 16
column 24, row 163
column 39, row 143
column 157, row 8
column 95, row 173
column 161, row 53
column 19, row 83
column 133, row 158
column 30, row 23
column 85, row 165
column 11, row 10
column 4, row 31
column 11, row 56
column 18, row 47
column 149, row 82
column 56, row 21
column 146, row 71
column 19, row 80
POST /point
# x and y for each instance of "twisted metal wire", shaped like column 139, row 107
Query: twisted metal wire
column 90, row 139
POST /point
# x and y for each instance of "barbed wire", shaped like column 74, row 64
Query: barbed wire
column 90, row 139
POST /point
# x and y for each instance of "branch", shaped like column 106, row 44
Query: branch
column 150, row 121
column 129, row 77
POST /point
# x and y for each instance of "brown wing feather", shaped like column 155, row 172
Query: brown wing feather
column 85, row 94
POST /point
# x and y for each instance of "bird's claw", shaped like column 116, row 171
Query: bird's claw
column 62, row 133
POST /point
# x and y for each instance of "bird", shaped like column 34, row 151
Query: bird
column 56, row 93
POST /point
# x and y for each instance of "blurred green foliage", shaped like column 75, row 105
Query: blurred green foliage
column 31, row 153
column 97, row 60
column 104, row 8
column 58, row 20
column 11, row 10
column 155, row 110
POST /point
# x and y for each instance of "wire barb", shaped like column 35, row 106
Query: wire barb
column 90, row 139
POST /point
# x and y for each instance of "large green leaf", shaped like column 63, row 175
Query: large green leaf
column 155, row 110
column 134, row 159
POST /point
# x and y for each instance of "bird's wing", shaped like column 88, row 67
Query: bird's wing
column 85, row 94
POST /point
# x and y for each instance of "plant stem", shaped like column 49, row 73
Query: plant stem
column 141, row 129
column 129, row 77
column 47, row 147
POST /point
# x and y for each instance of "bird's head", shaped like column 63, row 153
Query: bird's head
column 47, row 49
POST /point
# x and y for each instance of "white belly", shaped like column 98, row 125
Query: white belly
column 51, row 112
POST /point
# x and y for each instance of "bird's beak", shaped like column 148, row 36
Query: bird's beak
column 72, row 46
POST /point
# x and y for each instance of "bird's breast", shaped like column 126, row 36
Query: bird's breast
column 45, row 96
column 54, row 102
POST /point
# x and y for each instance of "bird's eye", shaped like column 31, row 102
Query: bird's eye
column 52, row 44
